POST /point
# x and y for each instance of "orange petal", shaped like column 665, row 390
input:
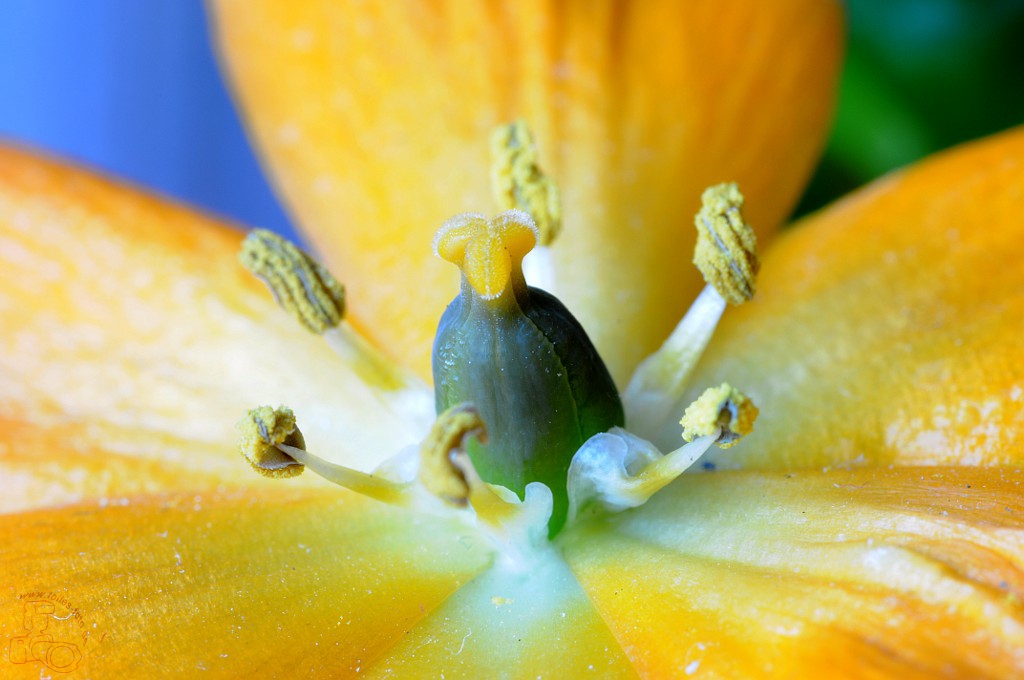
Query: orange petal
column 270, row 584
column 888, row 327
column 65, row 463
column 375, row 118
column 904, row 572
column 131, row 333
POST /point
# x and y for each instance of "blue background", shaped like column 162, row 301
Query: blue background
column 132, row 87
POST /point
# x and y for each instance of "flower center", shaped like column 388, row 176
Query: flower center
column 528, row 430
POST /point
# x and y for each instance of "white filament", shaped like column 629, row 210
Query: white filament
column 617, row 470
column 658, row 384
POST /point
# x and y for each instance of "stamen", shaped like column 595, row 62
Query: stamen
column 374, row 369
column 384, row 490
column 661, row 379
column 488, row 251
column 261, row 431
column 518, row 182
column 723, row 409
column 617, row 470
column 447, row 472
column 441, row 472
column 300, row 285
column 306, row 290
column 272, row 443
column 726, row 252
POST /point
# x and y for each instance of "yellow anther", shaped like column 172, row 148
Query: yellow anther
column 726, row 252
column 438, row 471
column 489, row 252
column 518, row 182
column 271, row 442
column 721, row 408
column 300, row 284
column 261, row 431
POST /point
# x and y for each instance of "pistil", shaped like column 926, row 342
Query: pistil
column 519, row 355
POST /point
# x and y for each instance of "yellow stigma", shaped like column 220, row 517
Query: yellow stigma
column 724, row 409
column 300, row 284
column 518, row 181
column 726, row 252
column 488, row 251
column 439, row 472
column 261, row 431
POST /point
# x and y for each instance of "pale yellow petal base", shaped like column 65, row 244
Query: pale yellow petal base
column 868, row 573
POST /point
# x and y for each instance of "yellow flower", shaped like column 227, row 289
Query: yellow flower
column 873, row 526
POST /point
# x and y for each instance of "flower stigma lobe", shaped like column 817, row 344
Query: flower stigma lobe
column 489, row 252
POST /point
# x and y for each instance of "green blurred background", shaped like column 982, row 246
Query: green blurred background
column 920, row 75
column 131, row 86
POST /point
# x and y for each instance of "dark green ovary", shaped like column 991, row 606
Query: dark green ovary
column 537, row 381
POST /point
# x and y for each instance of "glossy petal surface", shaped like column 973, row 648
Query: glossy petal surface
column 905, row 572
column 887, row 328
column 511, row 624
column 375, row 116
column 133, row 341
column 860, row 573
column 269, row 583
